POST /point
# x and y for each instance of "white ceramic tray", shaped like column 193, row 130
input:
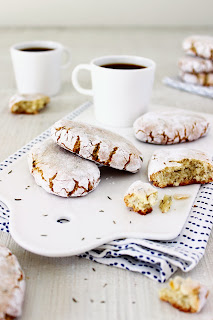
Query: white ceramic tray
column 97, row 218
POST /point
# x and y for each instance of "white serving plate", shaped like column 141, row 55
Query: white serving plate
column 94, row 219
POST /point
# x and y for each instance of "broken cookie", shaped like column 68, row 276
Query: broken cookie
column 165, row 203
column 28, row 103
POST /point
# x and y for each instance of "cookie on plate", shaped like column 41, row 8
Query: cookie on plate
column 12, row 285
column 195, row 65
column 28, row 103
column 141, row 197
column 97, row 144
column 201, row 46
column 61, row 172
column 170, row 127
column 179, row 167
column 187, row 295
column 202, row 79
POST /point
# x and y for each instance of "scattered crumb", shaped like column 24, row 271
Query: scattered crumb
column 104, row 285
column 179, row 196
column 93, row 269
column 83, row 239
column 17, row 199
column 91, row 300
column 10, row 171
column 114, row 222
column 166, row 203
column 74, row 300
column 109, row 198
column 43, row 235
column 44, row 215
column 101, row 210
column 195, row 206
column 98, row 238
column 103, row 301
column 133, row 302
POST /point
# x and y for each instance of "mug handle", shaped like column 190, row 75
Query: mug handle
column 68, row 58
column 75, row 79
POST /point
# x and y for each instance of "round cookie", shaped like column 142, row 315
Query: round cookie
column 170, row 127
column 201, row 46
column 61, row 173
column 28, row 103
column 180, row 167
column 202, row 79
column 97, row 144
column 12, row 285
column 195, row 65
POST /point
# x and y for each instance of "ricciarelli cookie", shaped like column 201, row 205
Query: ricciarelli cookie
column 195, row 65
column 202, row 79
column 179, row 167
column 61, row 173
column 170, row 127
column 28, row 103
column 97, row 144
column 12, row 285
column 201, row 46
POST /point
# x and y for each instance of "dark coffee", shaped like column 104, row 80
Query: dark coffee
column 126, row 66
column 36, row 49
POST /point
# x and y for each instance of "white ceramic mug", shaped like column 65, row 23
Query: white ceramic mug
column 38, row 71
column 120, row 95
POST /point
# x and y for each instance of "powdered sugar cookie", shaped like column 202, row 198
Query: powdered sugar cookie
column 195, row 65
column 179, row 167
column 28, row 103
column 202, row 79
column 141, row 197
column 97, row 144
column 170, row 127
column 201, row 46
column 60, row 172
column 12, row 285
column 187, row 295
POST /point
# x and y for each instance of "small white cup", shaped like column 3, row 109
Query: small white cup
column 39, row 71
column 120, row 95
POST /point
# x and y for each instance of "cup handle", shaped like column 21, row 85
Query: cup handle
column 68, row 58
column 75, row 79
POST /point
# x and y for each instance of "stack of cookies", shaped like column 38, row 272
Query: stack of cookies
column 197, row 66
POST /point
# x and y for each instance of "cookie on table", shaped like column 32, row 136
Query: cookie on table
column 97, row 144
column 179, row 167
column 187, row 295
column 28, row 103
column 195, row 65
column 12, row 285
column 170, row 127
column 60, row 172
column 141, row 197
column 201, row 46
column 202, row 79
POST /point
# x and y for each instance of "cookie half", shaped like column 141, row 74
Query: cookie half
column 61, row 173
column 202, row 79
column 28, row 103
column 201, row 46
column 12, row 285
column 141, row 197
column 179, row 167
column 170, row 127
column 97, row 144
column 195, row 65
column 187, row 295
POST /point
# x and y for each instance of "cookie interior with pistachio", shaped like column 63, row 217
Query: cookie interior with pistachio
column 180, row 167
column 97, row 144
column 28, row 103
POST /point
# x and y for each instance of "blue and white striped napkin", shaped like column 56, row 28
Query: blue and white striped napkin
column 157, row 260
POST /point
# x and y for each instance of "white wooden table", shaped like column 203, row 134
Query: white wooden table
column 101, row 292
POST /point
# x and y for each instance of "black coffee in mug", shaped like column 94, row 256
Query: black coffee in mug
column 36, row 49
column 125, row 66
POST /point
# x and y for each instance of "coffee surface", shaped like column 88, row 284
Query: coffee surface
column 126, row 66
column 36, row 49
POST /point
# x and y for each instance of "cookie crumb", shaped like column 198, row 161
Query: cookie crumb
column 165, row 203
column 179, row 196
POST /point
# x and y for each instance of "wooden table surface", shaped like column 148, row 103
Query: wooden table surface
column 51, row 282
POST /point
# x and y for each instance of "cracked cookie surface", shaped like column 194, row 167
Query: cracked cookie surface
column 12, row 285
column 198, row 45
column 97, row 144
column 202, row 78
column 61, row 173
column 170, row 127
column 180, row 167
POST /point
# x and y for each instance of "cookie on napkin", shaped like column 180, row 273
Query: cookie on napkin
column 195, row 65
column 28, row 103
column 12, row 285
column 201, row 46
column 61, row 173
column 180, row 167
column 170, row 127
column 97, row 144
column 202, row 79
